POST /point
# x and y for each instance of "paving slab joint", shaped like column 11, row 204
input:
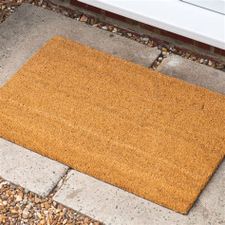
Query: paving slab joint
column 155, row 64
column 59, row 184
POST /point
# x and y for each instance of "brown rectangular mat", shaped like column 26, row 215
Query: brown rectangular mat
column 150, row 134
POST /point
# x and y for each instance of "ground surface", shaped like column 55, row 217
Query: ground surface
column 33, row 26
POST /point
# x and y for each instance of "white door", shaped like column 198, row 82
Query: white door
column 214, row 5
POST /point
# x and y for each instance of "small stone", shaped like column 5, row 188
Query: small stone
column 39, row 215
column 210, row 63
column 13, row 211
column 25, row 213
column 2, row 219
column 4, row 183
column 201, row 61
column 164, row 53
column 83, row 18
column 47, row 205
column 187, row 55
column 114, row 30
column 4, row 202
column 104, row 27
column 37, row 200
column 19, row 197
column 42, row 222
column 145, row 39
column 110, row 28
column 160, row 59
column 58, row 211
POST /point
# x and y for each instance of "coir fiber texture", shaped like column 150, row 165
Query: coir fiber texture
column 149, row 134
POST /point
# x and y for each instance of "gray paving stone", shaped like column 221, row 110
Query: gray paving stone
column 28, row 169
column 30, row 27
column 112, row 205
column 194, row 73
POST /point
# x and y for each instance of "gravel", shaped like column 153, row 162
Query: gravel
column 21, row 207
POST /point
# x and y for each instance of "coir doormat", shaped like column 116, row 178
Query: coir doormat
column 149, row 134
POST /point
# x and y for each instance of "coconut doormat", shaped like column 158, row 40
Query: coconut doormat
column 149, row 134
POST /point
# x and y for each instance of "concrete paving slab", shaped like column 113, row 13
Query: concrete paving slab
column 194, row 73
column 28, row 169
column 112, row 205
column 30, row 27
